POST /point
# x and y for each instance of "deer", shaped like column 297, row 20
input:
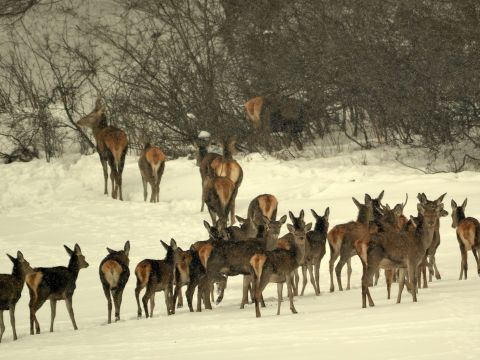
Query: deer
column 219, row 197
column 156, row 275
column 316, row 241
column 247, row 229
column 468, row 236
column 264, row 205
column 430, row 260
column 204, row 161
column 226, row 166
column 55, row 283
column 342, row 238
column 111, row 144
column 278, row 265
column 152, row 165
column 11, row 286
column 404, row 250
column 114, row 274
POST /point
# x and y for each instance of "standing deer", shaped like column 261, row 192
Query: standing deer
column 468, row 236
column 342, row 239
column 152, row 165
column 316, row 241
column 55, row 283
column 114, row 274
column 262, row 205
column 278, row 265
column 111, row 145
column 11, row 287
column 204, row 161
column 219, row 197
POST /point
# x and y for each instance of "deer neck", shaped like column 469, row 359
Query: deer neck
column 320, row 227
column 73, row 267
column 424, row 234
column 202, row 152
column 100, row 124
column 460, row 214
column 169, row 257
column 363, row 216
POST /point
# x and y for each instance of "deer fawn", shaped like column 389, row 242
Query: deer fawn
column 55, row 283
column 278, row 265
column 342, row 239
column 151, row 164
column 405, row 250
column 114, row 274
column 111, row 146
column 11, row 287
column 468, row 235
column 316, row 241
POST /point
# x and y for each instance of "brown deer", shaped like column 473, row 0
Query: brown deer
column 11, row 287
column 394, row 249
column 204, row 161
column 159, row 275
column 278, row 265
column 55, row 283
column 111, row 146
column 226, row 166
column 316, row 241
column 342, row 239
column 219, row 197
column 468, row 236
column 247, row 229
column 430, row 260
column 262, row 205
column 152, row 165
column 114, row 274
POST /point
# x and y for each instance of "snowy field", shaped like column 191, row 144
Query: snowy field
column 44, row 206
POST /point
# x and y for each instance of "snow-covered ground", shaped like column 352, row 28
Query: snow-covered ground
column 43, row 206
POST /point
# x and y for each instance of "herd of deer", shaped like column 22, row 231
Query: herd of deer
column 382, row 237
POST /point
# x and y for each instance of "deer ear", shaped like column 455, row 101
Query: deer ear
column 207, row 225
column 77, row 249
column 308, row 227
column 440, row 199
column 126, row 248
column 283, row 219
column 110, row 251
column 266, row 220
column 422, row 198
column 173, row 244
column 327, row 213
column 12, row 259
column 302, row 214
column 290, row 228
column 164, row 244
column 420, row 209
column 380, row 197
column 454, row 204
column 240, row 219
column 355, row 201
column 315, row 215
column 292, row 217
column 368, row 199
column 69, row 251
column 20, row 256
column 464, row 205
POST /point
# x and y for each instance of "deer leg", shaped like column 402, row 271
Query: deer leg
column 34, row 306
column 68, row 301
column 53, row 308
column 401, row 284
column 424, row 273
column 12, row 322
column 349, row 271
column 106, row 290
column 120, row 172
column 304, row 280
column 153, row 195
column 338, row 270
column 279, row 296
column 152, row 303
column 463, row 264
column 105, row 173
column 317, row 276
column 475, row 255
column 295, row 281
column 290, row 293
column 146, row 297
column 145, row 191
column 333, row 257
column 377, row 276
column 389, row 280
column 112, row 178
column 437, row 273
column 312, row 279
column 412, row 273
column 180, row 298
column 246, row 284
column 221, row 286
column 117, row 300
column 2, row 325
column 168, row 300
column 189, row 294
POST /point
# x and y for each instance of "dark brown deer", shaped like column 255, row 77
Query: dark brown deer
column 114, row 274
column 152, row 165
column 156, row 275
column 262, row 205
column 468, row 236
column 226, row 166
column 219, row 197
column 393, row 249
column 342, row 241
column 278, row 265
column 204, row 161
column 111, row 146
column 55, row 283
column 11, row 287
column 316, row 241
column 430, row 260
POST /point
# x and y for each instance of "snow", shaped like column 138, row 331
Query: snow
column 43, row 206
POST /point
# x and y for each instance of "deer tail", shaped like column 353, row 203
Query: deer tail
column 257, row 262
